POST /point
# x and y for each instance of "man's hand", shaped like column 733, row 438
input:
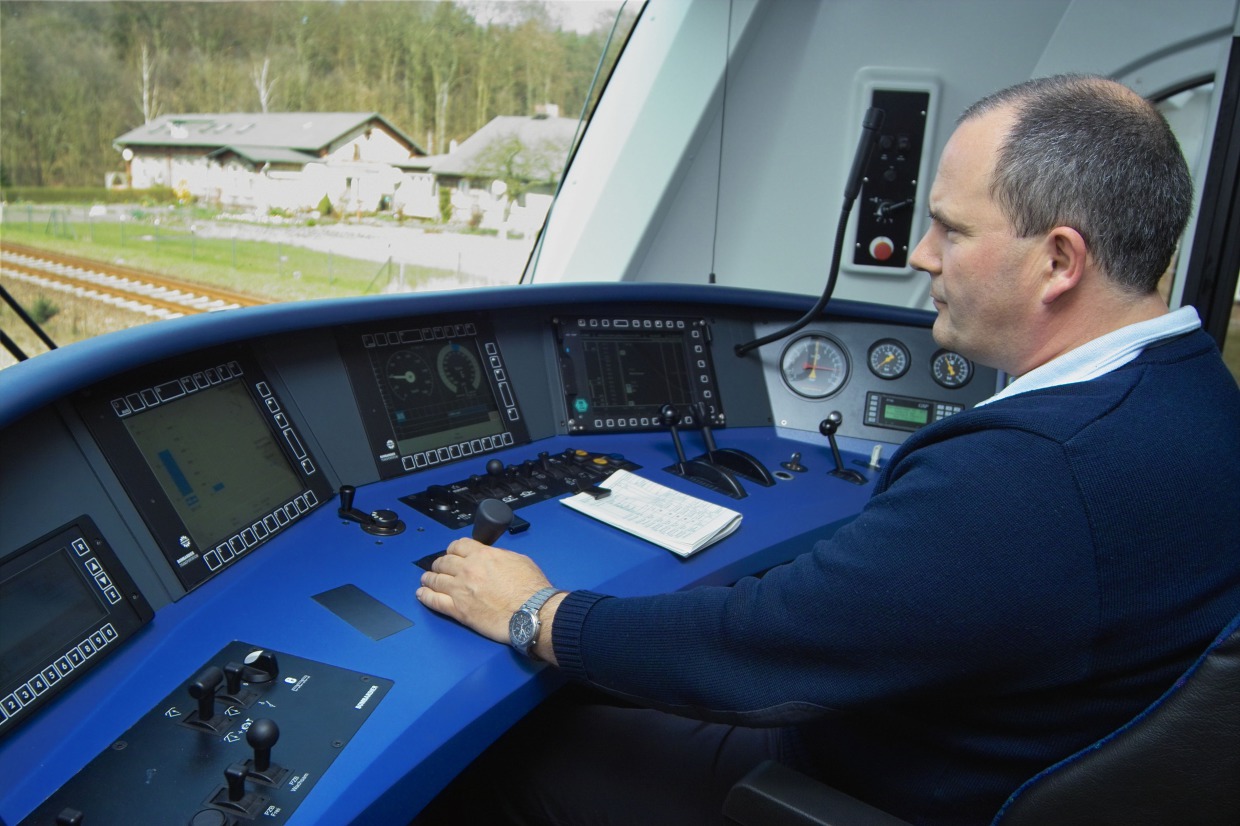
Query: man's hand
column 480, row 586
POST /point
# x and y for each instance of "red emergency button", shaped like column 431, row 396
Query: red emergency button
column 882, row 248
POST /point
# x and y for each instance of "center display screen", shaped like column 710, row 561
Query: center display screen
column 431, row 394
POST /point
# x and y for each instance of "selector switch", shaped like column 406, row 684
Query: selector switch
column 261, row 666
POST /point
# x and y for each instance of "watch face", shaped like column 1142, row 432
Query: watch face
column 521, row 629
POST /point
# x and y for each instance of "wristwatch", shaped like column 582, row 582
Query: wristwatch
column 524, row 625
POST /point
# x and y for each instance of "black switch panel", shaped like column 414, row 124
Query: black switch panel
column 886, row 206
column 160, row 771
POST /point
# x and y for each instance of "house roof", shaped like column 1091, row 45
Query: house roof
column 310, row 132
column 265, row 154
column 550, row 136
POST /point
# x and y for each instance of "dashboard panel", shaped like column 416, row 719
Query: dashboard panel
column 208, row 454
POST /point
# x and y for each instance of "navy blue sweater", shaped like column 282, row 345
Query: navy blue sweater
column 1027, row 576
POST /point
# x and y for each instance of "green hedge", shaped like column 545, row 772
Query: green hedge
column 87, row 195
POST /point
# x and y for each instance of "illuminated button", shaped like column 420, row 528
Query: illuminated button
column 108, row 632
column 64, row 666
column 11, row 704
column 24, row 694
column 113, row 595
column 75, row 657
column 80, row 546
column 882, row 248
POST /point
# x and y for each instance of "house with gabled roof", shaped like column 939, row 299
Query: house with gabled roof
column 359, row 161
column 532, row 150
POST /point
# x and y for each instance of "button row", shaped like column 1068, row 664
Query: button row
column 64, row 665
column 153, row 396
column 414, row 336
column 242, row 541
column 458, row 451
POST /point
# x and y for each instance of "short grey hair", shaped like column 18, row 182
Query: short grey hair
column 1089, row 153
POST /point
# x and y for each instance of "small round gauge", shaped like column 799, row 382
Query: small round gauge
column 459, row 369
column 408, row 375
column 951, row 370
column 814, row 366
column 889, row 359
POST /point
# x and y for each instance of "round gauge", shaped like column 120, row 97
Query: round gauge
column 459, row 369
column 814, row 366
column 408, row 375
column 951, row 370
column 889, row 359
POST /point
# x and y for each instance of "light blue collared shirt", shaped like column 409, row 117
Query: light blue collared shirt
column 1102, row 355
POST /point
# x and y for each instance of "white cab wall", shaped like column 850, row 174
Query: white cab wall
column 640, row 202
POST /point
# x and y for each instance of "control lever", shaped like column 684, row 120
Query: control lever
column 375, row 523
column 491, row 519
column 234, row 798
column 730, row 458
column 827, row 427
column 698, row 470
column 262, row 736
column 203, row 688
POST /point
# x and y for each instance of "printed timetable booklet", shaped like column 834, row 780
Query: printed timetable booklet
column 681, row 523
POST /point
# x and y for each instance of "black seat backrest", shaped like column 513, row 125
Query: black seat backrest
column 1177, row 763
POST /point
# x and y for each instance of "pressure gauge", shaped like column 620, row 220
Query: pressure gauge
column 814, row 366
column 889, row 359
column 951, row 370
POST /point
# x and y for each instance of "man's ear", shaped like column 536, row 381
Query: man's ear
column 1066, row 254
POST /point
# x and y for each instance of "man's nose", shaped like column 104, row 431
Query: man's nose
column 924, row 257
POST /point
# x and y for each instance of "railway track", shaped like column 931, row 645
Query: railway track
column 145, row 292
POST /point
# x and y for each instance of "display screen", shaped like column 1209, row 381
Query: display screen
column 435, row 394
column 43, row 606
column 215, row 459
column 912, row 415
column 620, row 372
column 628, row 370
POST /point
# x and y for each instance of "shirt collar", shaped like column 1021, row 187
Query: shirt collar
column 1104, row 354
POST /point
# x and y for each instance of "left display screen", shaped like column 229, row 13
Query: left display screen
column 209, row 457
column 191, row 449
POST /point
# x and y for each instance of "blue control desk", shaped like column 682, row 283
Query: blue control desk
column 306, row 369
column 453, row 692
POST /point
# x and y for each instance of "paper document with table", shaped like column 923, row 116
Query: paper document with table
column 681, row 523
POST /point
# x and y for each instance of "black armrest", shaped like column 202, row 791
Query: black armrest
column 774, row 795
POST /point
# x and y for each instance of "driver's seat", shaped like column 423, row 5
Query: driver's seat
column 1178, row 762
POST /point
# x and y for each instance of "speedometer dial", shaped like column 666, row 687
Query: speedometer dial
column 458, row 369
column 814, row 366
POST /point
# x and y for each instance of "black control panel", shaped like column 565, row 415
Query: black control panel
column 619, row 371
column 431, row 394
column 244, row 740
column 208, row 454
column 517, row 485
column 66, row 604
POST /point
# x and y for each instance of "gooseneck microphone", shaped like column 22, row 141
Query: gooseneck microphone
column 870, row 126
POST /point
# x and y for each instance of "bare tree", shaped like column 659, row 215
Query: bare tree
column 150, row 95
column 263, row 83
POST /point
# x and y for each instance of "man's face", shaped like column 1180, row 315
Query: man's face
column 982, row 276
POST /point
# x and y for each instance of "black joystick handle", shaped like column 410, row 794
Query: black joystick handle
column 491, row 519
column 347, row 492
column 827, row 427
column 203, row 687
column 668, row 417
column 262, row 736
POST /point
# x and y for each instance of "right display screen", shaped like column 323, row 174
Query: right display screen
column 619, row 372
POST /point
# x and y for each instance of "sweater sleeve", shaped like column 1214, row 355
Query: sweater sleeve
column 961, row 575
